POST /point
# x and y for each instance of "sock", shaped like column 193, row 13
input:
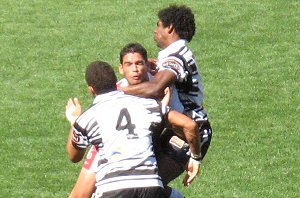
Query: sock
column 176, row 194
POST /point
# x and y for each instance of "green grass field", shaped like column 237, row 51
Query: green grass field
column 249, row 55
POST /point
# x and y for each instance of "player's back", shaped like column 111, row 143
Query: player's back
column 119, row 125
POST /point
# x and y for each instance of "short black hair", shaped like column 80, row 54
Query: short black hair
column 101, row 76
column 133, row 48
column 182, row 19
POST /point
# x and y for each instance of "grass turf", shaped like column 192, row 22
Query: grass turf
column 249, row 57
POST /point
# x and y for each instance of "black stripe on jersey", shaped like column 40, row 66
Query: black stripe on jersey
column 188, row 89
column 157, row 127
column 189, row 65
column 189, row 105
column 199, row 109
column 193, row 67
column 155, row 110
column 80, row 129
column 187, row 86
column 92, row 126
column 183, row 50
column 98, row 142
column 131, row 172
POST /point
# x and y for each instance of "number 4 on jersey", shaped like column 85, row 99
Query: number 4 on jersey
column 129, row 126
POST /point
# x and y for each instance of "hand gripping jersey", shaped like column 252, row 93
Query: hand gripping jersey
column 119, row 126
column 187, row 96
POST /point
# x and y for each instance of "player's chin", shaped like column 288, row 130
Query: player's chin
column 135, row 81
column 155, row 38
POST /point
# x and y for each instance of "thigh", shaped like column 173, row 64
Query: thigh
column 205, row 131
column 169, row 168
column 149, row 192
column 171, row 160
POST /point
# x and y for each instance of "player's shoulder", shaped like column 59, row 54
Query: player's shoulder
column 122, row 83
column 171, row 63
column 139, row 100
column 171, row 60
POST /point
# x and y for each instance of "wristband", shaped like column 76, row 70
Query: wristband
column 195, row 161
column 196, row 157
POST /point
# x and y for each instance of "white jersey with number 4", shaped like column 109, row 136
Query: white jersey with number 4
column 119, row 125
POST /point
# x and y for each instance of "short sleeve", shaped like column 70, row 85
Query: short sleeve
column 173, row 64
column 78, row 138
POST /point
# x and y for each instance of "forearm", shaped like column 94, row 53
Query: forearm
column 75, row 154
column 193, row 139
column 190, row 130
column 185, row 126
column 154, row 88
column 145, row 89
column 193, row 167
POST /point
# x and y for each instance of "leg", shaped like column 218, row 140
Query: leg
column 168, row 168
column 205, row 131
column 85, row 185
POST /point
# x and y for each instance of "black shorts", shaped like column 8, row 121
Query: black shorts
column 172, row 161
column 146, row 192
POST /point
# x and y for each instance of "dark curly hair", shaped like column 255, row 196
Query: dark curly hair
column 182, row 19
column 101, row 76
column 133, row 48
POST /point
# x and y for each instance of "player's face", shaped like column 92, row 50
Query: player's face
column 134, row 68
column 160, row 34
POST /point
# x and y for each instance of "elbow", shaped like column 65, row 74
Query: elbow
column 156, row 92
column 74, row 159
column 74, row 155
column 153, row 90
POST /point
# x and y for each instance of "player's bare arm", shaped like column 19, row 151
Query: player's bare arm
column 75, row 153
column 154, row 88
column 179, row 122
column 73, row 110
column 182, row 123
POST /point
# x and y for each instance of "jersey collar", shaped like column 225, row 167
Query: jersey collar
column 103, row 97
column 174, row 47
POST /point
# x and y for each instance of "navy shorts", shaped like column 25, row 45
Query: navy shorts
column 172, row 161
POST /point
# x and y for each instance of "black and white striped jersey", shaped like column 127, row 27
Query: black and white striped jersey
column 119, row 125
column 187, row 92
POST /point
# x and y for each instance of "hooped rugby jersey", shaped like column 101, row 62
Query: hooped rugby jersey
column 119, row 125
column 91, row 161
column 187, row 93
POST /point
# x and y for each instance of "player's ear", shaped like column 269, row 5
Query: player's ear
column 170, row 28
column 92, row 91
column 121, row 69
